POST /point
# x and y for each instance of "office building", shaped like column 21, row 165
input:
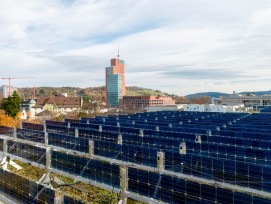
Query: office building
column 247, row 101
column 115, row 82
column 135, row 102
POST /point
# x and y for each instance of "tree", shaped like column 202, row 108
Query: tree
column 42, row 92
column 86, row 98
column 11, row 105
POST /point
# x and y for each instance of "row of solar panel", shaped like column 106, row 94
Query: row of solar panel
column 175, row 190
column 24, row 190
column 219, row 119
column 173, row 116
column 99, row 171
column 29, row 152
column 167, row 125
column 32, row 126
column 107, row 149
column 164, row 121
column 31, row 135
column 224, row 170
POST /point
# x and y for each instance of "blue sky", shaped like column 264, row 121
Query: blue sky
column 178, row 46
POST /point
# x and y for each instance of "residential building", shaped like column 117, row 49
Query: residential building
column 45, row 115
column 58, row 105
column 135, row 102
column 115, row 82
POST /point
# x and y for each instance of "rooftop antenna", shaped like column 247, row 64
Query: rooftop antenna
column 118, row 52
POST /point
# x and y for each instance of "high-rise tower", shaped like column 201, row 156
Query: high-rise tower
column 115, row 82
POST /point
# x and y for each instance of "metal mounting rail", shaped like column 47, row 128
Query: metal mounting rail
column 131, row 165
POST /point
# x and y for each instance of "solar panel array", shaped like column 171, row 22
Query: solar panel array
column 208, row 157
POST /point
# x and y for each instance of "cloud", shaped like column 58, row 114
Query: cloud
column 174, row 44
column 203, row 74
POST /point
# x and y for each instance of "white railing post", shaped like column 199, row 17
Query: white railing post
column 91, row 148
column 182, row 148
column 46, row 140
column 198, row 139
column 120, row 139
column 100, row 128
column 48, row 159
column 124, row 183
column 76, row 133
column 141, row 132
column 44, row 126
column 59, row 199
column 14, row 133
column 161, row 160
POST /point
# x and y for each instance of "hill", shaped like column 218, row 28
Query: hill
column 139, row 91
column 209, row 94
column 87, row 93
column 218, row 94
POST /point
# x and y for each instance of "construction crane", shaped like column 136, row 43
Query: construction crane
column 11, row 78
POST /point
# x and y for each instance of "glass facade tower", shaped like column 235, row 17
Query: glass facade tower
column 115, row 82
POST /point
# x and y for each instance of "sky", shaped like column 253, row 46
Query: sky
column 177, row 46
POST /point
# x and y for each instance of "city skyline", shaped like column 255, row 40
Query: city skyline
column 179, row 47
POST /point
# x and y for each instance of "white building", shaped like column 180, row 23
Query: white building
column 196, row 107
column 208, row 108
column 163, row 108
column 4, row 90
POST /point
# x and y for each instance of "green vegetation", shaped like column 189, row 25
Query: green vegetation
column 137, row 91
column 11, row 105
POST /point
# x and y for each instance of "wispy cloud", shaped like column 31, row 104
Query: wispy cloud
column 203, row 74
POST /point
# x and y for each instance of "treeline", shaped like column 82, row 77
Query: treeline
column 26, row 93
